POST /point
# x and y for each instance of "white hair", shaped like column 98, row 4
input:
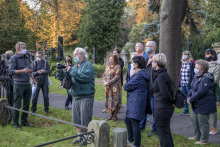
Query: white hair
column 160, row 59
column 81, row 51
column 19, row 44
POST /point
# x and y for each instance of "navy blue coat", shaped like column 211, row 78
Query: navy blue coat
column 201, row 97
column 137, row 89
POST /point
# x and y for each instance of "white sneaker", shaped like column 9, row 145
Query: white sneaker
column 213, row 131
column 104, row 111
column 75, row 141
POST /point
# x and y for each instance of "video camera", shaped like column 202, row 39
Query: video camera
column 60, row 66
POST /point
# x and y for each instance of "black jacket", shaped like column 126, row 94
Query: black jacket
column 163, row 90
column 163, row 97
column 151, row 73
column 121, row 63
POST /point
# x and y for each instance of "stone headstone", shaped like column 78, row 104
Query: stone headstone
column 102, row 131
column 119, row 137
column 106, row 59
column 3, row 57
column 129, row 46
column 216, row 47
column 124, row 56
column 60, row 48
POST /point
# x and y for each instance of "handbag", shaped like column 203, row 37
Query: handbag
column 148, row 109
column 67, row 81
column 179, row 97
column 217, row 92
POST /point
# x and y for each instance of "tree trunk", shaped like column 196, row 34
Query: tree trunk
column 170, row 35
column 55, row 24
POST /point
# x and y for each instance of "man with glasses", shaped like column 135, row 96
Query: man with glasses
column 150, row 49
column 41, row 69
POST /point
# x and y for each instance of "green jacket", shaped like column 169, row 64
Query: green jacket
column 83, row 80
column 214, row 68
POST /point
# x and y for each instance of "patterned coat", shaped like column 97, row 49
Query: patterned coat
column 113, row 91
column 137, row 89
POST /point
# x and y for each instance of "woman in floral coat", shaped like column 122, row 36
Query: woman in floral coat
column 112, row 82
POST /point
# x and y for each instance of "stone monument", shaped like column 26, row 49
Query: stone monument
column 124, row 56
column 129, row 46
column 216, row 47
column 60, row 48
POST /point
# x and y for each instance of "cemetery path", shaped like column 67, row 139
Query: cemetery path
column 180, row 125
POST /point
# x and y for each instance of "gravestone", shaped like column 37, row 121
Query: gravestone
column 124, row 56
column 216, row 47
column 188, row 42
column 119, row 137
column 106, row 59
column 129, row 46
column 102, row 133
column 3, row 57
column 60, row 48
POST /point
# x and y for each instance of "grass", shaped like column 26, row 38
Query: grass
column 100, row 93
column 48, row 130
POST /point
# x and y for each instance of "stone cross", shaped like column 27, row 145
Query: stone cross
column 188, row 42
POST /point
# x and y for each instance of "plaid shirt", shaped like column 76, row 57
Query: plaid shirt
column 185, row 71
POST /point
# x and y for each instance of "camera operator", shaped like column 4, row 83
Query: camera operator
column 82, row 90
column 68, row 62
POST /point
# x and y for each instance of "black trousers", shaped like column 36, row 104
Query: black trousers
column 165, row 135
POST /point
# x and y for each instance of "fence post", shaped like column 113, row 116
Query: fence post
column 101, row 133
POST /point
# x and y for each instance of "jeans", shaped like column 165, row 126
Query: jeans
column 143, row 122
column 68, row 100
column 152, row 107
column 45, row 89
column 185, row 90
column 21, row 92
column 134, row 131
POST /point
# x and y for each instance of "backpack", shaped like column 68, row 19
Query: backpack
column 179, row 97
column 216, row 91
column 67, row 81
column 3, row 67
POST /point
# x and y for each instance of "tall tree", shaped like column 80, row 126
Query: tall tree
column 12, row 28
column 100, row 25
column 170, row 34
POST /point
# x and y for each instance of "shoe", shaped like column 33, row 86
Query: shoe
column 152, row 133
column 213, row 131
column 192, row 138
column 130, row 144
column 17, row 127
column 47, row 112
column 185, row 114
column 27, row 125
column 104, row 111
column 67, row 108
column 75, row 141
column 32, row 112
column 200, row 142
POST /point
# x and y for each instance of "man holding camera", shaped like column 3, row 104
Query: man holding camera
column 82, row 90
column 19, row 66
column 41, row 69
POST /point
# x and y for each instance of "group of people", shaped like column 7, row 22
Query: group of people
column 149, row 90
column 20, row 69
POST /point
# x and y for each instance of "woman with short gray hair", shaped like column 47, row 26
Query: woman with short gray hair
column 163, row 100
column 186, row 76
column 202, row 101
